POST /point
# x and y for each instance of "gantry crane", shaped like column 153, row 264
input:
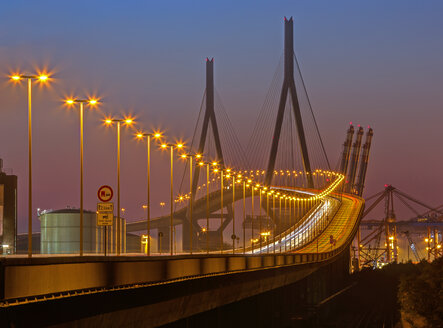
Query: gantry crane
column 370, row 251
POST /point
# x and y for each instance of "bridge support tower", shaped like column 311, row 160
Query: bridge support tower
column 289, row 87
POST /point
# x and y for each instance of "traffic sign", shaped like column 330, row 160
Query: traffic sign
column 105, row 193
column 105, row 207
column 105, row 218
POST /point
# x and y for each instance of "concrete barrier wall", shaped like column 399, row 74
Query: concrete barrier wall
column 213, row 265
column 21, row 281
column 254, row 262
column 236, row 263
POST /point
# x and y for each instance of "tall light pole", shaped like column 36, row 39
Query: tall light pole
column 191, row 198
column 244, row 212
column 171, row 147
column 267, row 223
column 252, row 218
column 287, row 227
column 208, row 164
column 273, row 221
column 233, row 214
column 119, row 121
column 142, row 135
column 260, row 216
column 81, row 102
column 41, row 78
column 221, row 208
column 280, row 220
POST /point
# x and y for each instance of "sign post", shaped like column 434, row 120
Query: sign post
column 105, row 211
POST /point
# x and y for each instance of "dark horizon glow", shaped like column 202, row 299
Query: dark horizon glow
column 377, row 64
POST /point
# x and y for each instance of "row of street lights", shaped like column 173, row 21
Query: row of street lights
column 44, row 78
column 245, row 177
column 224, row 172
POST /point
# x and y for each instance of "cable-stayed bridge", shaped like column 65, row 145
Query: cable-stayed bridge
column 261, row 219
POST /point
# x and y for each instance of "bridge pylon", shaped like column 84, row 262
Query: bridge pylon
column 209, row 118
column 288, row 87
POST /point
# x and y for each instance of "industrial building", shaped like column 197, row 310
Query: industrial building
column 8, row 211
column 60, row 233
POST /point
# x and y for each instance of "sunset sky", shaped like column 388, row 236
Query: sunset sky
column 377, row 63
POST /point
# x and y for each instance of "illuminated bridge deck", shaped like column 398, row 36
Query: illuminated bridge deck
column 341, row 227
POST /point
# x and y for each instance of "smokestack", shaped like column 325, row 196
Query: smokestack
column 359, row 186
column 346, row 150
column 354, row 159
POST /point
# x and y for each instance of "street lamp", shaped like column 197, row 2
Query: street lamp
column 171, row 146
column 127, row 121
column 142, row 135
column 221, row 206
column 267, row 221
column 191, row 195
column 246, row 184
column 43, row 78
column 208, row 164
column 261, row 191
column 280, row 220
column 233, row 213
column 252, row 217
column 81, row 102
column 287, row 226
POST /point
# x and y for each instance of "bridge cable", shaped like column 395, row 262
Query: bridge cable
column 312, row 112
column 185, row 170
column 257, row 144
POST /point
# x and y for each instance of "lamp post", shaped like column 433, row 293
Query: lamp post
column 280, row 220
column 81, row 102
column 260, row 216
column 252, row 218
column 290, row 221
column 40, row 78
column 148, row 136
column 207, row 199
column 273, row 221
column 287, row 227
column 221, row 207
column 233, row 214
column 191, row 195
column 127, row 121
column 267, row 223
column 244, row 216
column 171, row 147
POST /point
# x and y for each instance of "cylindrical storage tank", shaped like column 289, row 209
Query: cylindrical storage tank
column 60, row 231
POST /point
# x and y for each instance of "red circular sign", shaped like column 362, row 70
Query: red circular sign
column 105, row 193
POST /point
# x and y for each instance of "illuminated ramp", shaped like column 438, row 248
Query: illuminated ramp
column 341, row 229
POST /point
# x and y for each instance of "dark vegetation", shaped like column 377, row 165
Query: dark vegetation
column 399, row 295
column 420, row 292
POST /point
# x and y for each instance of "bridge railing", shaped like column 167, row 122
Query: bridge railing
column 51, row 278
